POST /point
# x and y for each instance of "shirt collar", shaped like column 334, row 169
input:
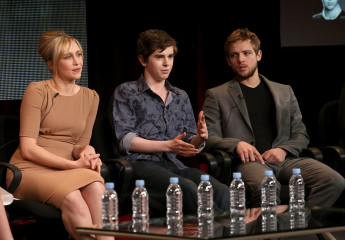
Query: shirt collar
column 142, row 86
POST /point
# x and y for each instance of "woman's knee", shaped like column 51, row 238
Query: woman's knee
column 95, row 188
column 73, row 201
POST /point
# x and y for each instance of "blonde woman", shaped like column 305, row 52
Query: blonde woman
column 59, row 166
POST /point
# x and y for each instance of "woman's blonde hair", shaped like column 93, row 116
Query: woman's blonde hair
column 52, row 45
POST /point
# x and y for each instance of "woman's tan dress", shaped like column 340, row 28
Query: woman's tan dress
column 58, row 123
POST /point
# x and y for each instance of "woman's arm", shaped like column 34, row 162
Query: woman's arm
column 84, row 139
column 82, row 148
column 31, row 151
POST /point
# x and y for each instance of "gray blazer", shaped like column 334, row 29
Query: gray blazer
column 228, row 120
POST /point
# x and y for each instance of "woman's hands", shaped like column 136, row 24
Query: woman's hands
column 88, row 158
column 86, row 150
column 90, row 161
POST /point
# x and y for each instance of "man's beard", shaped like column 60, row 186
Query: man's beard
column 245, row 76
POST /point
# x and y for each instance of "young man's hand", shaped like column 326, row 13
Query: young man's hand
column 178, row 146
column 202, row 127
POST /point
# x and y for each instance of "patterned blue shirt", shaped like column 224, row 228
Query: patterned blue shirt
column 138, row 111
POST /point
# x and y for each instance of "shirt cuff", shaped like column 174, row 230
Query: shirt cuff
column 202, row 146
column 126, row 141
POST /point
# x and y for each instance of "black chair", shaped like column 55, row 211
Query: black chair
column 28, row 219
column 330, row 125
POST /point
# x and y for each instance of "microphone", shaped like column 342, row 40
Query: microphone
column 55, row 95
column 240, row 97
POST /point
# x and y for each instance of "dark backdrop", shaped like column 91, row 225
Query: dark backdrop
column 315, row 73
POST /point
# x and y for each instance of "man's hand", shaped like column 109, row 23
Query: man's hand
column 275, row 155
column 202, row 135
column 248, row 153
column 202, row 127
column 178, row 146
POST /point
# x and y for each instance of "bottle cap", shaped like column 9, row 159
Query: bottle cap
column 109, row 185
column 174, row 180
column 140, row 183
column 268, row 173
column 296, row 171
column 205, row 177
column 236, row 175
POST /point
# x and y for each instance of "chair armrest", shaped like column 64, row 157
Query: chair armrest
column 312, row 152
column 127, row 167
column 17, row 176
column 225, row 161
column 334, row 157
column 220, row 164
column 210, row 160
column 121, row 173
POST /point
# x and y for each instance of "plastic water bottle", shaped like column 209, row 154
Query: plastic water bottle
column 205, row 197
column 297, row 202
column 140, row 207
column 174, row 200
column 205, row 208
column 174, row 206
column 237, row 205
column 269, row 202
column 110, row 207
column 206, row 227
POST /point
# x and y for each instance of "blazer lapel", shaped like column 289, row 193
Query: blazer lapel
column 235, row 92
column 275, row 95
